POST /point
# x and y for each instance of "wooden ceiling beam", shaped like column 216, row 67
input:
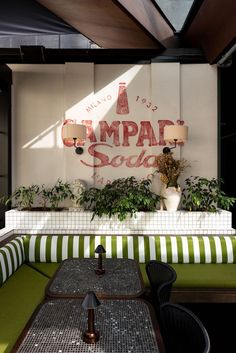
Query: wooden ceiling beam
column 213, row 29
column 114, row 23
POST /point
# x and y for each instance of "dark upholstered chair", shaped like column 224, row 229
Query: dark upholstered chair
column 161, row 277
column 182, row 331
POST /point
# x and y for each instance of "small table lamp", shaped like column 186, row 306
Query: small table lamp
column 90, row 303
column 100, row 250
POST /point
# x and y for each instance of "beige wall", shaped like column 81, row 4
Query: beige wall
column 45, row 95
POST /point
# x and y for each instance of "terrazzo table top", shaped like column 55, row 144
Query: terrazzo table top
column 125, row 326
column 75, row 277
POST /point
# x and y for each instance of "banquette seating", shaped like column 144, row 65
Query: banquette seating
column 205, row 268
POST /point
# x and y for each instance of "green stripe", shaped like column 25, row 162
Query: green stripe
column 125, row 247
column 113, row 247
column 16, row 255
column 70, row 246
column 48, row 249
column 92, row 246
column 190, row 250
column 180, row 250
column 202, row 250
column 224, row 250
column 81, row 246
column 136, row 248
column 26, row 240
column 59, row 249
column 19, row 242
column 158, row 248
column 168, row 249
column 37, row 249
column 146, row 249
column 103, row 243
column 213, row 249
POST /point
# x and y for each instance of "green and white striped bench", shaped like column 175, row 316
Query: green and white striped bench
column 171, row 249
column 12, row 256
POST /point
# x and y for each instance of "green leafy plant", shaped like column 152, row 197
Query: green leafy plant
column 52, row 196
column 123, row 197
column 23, row 197
column 202, row 194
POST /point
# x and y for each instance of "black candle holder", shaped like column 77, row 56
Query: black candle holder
column 100, row 250
column 90, row 303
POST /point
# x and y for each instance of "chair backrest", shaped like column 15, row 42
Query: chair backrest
column 161, row 277
column 182, row 331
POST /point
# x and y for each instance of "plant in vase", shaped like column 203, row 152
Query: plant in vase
column 170, row 170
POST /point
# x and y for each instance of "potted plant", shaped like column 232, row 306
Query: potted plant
column 52, row 196
column 122, row 197
column 23, row 197
column 170, row 170
column 202, row 194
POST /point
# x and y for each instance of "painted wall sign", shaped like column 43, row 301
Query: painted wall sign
column 126, row 136
column 124, row 107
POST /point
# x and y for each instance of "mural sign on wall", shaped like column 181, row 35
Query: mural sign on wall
column 124, row 131
column 125, row 108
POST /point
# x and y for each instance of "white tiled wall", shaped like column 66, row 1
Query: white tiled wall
column 159, row 222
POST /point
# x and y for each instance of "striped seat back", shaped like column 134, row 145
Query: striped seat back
column 170, row 249
column 12, row 256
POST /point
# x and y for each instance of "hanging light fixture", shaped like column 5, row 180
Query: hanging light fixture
column 174, row 134
column 75, row 132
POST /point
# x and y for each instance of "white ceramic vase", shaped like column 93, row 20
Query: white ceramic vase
column 172, row 197
column 78, row 186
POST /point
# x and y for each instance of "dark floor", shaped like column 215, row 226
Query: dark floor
column 219, row 320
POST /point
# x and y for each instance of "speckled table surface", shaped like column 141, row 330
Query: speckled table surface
column 75, row 277
column 124, row 326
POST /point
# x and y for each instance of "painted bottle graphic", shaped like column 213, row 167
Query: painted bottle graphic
column 122, row 106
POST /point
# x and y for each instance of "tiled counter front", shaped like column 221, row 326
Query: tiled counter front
column 159, row 222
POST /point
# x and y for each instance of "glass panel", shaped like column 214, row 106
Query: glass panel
column 175, row 10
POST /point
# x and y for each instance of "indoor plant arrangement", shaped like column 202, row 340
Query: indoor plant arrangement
column 24, row 197
column 122, row 197
column 170, row 170
column 52, row 196
column 202, row 194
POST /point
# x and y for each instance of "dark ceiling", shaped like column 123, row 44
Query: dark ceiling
column 114, row 24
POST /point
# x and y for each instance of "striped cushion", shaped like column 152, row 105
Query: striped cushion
column 171, row 249
column 12, row 256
